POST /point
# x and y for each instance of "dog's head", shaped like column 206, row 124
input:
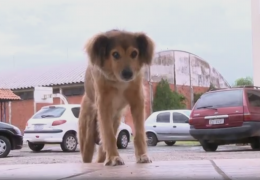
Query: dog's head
column 120, row 55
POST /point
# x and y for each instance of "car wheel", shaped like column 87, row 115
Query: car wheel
column 35, row 147
column 255, row 144
column 69, row 143
column 170, row 143
column 209, row 147
column 152, row 139
column 122, row 140
column 5, row 146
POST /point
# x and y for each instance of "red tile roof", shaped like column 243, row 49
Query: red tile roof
column 59, row 74
column 6, row 94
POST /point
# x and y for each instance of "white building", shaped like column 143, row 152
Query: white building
column 255, row 9
column 187, row 68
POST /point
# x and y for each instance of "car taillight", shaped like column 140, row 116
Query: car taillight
column 58, row 122
column 190, row 121
column 247, row 117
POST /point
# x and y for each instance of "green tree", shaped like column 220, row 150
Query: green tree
column 247, row 81
column 166, row 99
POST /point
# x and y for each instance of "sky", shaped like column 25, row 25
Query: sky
column 47, row 32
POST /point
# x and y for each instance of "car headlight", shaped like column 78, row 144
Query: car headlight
column 17, row 130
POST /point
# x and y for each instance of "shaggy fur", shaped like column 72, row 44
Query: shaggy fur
column 113, row 80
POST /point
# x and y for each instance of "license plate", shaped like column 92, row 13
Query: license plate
column 38, row 127
column 216, row 121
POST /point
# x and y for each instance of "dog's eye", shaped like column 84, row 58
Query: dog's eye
column 133, row 54
column 116, row 55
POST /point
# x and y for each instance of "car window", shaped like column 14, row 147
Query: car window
column 187, row 113
column 179, row 118
column 230, row 98
column 163, row 117
column 253, row 98
column 49, row 112
column 75, row 111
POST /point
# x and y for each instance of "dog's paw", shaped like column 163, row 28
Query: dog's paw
column 114, row 161
column 143, row 159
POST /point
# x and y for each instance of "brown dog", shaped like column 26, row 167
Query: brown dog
column 113, row 80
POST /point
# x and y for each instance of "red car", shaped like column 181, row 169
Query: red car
column 227, row 116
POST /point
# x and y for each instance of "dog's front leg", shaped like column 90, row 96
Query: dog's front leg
column 138, row 113
column 106, row 129
column 86, row 130
column 101, row 153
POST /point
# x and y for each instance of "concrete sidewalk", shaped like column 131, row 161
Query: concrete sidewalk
column 227, row 169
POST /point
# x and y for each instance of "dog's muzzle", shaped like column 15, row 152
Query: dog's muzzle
column 127, row 74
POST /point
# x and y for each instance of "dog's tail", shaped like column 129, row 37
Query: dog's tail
column 88, row 134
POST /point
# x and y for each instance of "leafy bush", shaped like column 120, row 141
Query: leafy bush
column 196, row 96
column 166, row 99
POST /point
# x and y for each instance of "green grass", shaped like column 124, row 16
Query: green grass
column 188, row 143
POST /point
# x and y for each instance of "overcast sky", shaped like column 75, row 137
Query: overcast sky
column 45, row 32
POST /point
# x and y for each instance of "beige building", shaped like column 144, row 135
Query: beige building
column 255, row 9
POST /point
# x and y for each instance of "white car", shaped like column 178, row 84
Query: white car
column 58, row 124
column 168, row 126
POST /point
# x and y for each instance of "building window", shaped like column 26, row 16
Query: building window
column 25, row 95
column 76, row 91
column 55, row 91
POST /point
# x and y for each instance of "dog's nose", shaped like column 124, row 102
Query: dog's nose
column 127, row 73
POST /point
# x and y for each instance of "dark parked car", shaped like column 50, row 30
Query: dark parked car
column 227, row 116
column 10, row 139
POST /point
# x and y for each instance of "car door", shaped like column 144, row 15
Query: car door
column 163, row 126
column 181, row 126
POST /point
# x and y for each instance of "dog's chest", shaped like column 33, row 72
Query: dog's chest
column 119, row 101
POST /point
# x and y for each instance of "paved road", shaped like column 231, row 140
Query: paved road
column 53, row 154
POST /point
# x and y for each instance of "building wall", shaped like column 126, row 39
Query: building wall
column 255, row 9
column 186, row 68
column 21, row 111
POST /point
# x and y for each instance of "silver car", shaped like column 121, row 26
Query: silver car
column 168, row 126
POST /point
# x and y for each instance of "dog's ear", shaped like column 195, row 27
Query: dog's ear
column 145, row 47
column 97, row 49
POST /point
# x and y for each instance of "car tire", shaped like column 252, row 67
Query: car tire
column 152, row 139
column 170, row 143
column 5, row 146
column 35, row 147
column 69, row 143
column 255, row 144
column 122, row 140
column 209, row 147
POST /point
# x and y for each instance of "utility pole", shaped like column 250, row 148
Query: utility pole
column 191, row 87
column 174, row 73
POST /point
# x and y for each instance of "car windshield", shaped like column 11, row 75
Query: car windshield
column 230, row 98
column 49, row 112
